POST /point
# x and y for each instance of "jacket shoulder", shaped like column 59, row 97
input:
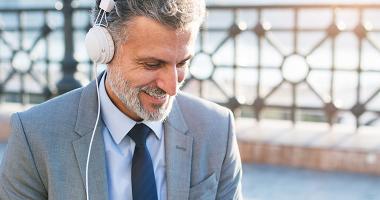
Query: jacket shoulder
column 205, row 117
column 51, row 115
column 192, row 105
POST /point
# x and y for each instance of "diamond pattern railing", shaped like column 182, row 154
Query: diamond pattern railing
column 304, row 62
column 295, row 62
column 35, row 52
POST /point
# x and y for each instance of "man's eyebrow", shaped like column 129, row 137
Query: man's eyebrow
column 149, row 59
column 145, row 59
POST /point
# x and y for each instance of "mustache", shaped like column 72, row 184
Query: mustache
column 156, row 91
column 153, row 91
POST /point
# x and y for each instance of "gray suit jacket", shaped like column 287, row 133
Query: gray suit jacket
column 47, row 150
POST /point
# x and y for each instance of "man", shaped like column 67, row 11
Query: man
column 192, row 149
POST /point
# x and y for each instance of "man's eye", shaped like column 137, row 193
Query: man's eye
column 182, row 64
column 152, row 65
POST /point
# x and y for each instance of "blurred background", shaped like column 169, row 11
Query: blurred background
column 302, row 77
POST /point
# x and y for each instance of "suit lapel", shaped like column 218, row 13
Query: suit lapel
column 87, row 111
column 178, row 151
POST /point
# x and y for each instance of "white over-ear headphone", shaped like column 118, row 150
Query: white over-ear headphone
column 98, row 41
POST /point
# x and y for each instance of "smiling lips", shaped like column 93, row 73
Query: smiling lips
column 156, row 100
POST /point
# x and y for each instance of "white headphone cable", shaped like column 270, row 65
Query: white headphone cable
column 94, row 130
column 105, row 6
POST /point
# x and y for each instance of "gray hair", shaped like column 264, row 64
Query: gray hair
column 177, row 14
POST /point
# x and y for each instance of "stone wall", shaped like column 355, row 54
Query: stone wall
column 329, row 159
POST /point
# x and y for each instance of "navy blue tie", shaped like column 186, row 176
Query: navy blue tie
column 143, row 181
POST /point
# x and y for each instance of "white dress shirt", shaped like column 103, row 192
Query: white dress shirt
column 119, row 149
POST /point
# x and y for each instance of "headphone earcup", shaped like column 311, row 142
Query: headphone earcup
column 99, row 45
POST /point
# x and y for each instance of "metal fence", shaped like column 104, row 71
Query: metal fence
column 295, row 62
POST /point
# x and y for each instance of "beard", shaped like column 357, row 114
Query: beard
column 129, row 96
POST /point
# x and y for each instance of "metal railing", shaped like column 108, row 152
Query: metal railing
column 298, row 62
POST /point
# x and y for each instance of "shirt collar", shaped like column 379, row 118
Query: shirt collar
column 117, row 122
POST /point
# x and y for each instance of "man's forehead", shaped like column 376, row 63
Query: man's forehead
column 140, row 24
column 162, row 55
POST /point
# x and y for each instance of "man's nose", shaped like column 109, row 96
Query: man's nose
column 168, row 80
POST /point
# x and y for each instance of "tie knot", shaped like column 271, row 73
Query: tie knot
column 139, row 133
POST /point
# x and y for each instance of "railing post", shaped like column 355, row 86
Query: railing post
column 69, row 64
